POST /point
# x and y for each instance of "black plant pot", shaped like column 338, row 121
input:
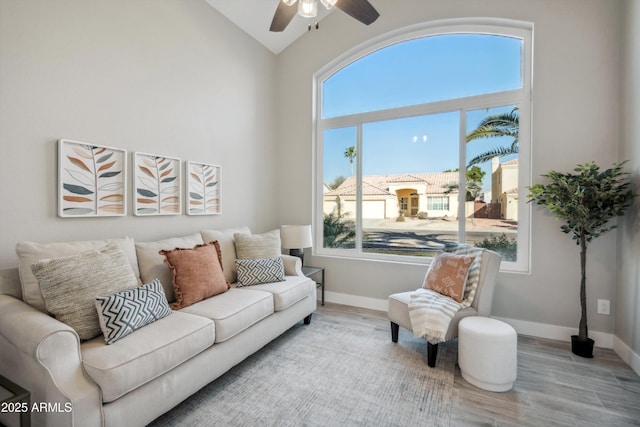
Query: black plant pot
column 582, row 348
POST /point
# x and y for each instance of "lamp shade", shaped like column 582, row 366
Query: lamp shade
column 295, row 236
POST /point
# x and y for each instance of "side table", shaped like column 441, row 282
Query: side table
column 311, row 271
column 15, row 399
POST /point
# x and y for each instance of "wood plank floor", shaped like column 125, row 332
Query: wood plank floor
column 553, row 388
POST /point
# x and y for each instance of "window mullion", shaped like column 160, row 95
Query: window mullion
column 359, row 232
column 462, row 187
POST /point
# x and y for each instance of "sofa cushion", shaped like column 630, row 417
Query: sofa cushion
column 287, row 292
column 227, row 247
column 151, row 261
column 258, row 246
column 70, row 285
column 30, row 252
column 234, row 311
column 126, row 311
column 145, row 354
column 258, row 271
column 197, row 273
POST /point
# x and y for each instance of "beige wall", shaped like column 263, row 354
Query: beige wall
column 627, row 302
column 168, row 77
column 575, row 115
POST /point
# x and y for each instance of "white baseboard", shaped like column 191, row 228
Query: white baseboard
column 357, row 301
column 560, row 333
column 534, row 329
column 630, row 357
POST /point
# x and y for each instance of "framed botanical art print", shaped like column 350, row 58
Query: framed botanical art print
column 203, row 189
column 156, row 185
column 92, row 180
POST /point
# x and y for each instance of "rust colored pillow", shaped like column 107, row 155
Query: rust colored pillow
column 447, row 274
column 197, row 273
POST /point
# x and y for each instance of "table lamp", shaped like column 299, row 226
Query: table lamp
column 296, row 238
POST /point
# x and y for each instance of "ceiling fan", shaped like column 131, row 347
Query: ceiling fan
column 358, row 9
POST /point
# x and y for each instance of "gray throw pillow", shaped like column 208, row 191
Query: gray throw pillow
column 259, row 271
column 71, row 284
column 258, row 246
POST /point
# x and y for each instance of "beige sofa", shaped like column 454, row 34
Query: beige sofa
column 145, row 374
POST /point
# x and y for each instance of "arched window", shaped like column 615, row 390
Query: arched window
column 423, row 139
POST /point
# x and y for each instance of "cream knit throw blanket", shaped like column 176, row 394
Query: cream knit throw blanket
column 430, row 314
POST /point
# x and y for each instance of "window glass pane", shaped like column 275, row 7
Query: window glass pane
column 426, row 69
column 492, row 172
column 339, row 188
column 409, row 184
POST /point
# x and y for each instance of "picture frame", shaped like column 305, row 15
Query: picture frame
column 203, row 189
column 92, row 180
column 156, row 185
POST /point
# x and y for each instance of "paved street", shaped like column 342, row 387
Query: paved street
column 430, row 233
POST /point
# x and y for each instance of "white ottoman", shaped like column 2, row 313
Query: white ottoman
column 487, row 353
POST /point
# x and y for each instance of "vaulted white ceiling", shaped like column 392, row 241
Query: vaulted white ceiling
column 254, row 17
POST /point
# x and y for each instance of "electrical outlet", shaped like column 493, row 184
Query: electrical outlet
column 604, row 307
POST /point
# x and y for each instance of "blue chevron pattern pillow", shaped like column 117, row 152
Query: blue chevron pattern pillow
column 259, row 271
column 123, row 312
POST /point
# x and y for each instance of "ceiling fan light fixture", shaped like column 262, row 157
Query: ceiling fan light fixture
column 307, row 8
column 328, row 4
column 361, row 10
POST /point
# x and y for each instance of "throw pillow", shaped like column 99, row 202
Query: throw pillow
column 447, row 274
column 30, row 252
column 226, row 240
column 70, row 285
column 151, row 261
column 258, row 246
column 474, row 272
column 197, row 273
column 258, row 271
column 123, row 312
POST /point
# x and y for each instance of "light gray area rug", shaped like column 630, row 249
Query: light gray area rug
column 329, row 373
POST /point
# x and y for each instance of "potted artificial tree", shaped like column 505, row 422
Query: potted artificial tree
column 586, row 200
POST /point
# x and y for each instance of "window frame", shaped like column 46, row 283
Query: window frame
column 441, row 205
column 521, row 97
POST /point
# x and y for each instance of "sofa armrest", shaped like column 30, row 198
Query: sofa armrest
column 42, row 355
column 10, row 282
column 292, row 265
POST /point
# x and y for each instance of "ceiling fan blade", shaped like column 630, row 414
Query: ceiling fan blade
column 359, row 9
column 284, row 14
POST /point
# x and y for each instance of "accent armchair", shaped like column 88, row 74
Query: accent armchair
column 481, row 305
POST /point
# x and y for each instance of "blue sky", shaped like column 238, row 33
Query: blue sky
column 423, row 70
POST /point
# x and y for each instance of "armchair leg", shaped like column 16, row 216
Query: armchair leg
column 432, row 353
column 307, row 320
column 395, row 328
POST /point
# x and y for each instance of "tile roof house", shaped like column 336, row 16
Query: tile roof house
column 386, row 196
